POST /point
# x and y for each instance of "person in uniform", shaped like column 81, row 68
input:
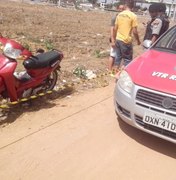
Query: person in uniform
column 163, row 17
column 158, row 23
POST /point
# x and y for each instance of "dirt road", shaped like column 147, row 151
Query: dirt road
column 81, row 138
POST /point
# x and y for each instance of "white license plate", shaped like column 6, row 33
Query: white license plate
column 161, row 121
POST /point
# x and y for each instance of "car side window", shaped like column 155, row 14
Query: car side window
column 174, row 45
column 168, row 41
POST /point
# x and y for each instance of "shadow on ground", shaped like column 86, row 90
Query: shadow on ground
column 45, row 102
column 148, row 140
column 10, row 115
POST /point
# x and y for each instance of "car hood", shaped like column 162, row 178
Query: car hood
column 154, row 70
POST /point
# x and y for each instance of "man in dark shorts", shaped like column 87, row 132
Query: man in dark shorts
column 125, row 25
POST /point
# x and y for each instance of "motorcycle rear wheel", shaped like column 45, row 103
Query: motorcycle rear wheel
column 51, row 81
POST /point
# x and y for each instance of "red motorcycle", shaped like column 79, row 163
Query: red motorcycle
column 40, row 73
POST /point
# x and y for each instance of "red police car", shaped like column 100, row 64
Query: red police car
column 145, row 94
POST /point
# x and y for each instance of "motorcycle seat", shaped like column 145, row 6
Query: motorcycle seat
column 42, row 60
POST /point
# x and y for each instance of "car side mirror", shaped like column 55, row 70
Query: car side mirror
column 147, row 44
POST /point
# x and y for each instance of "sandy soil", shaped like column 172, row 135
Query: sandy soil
column 80, row 138
column 82, row 36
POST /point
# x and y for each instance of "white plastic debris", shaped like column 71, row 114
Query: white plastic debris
column 68, row 96
column 90, row 74
column 85, row 42
column 99, row 34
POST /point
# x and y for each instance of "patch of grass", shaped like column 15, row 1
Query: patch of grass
column 49, row 45
column 80, row 72
column 20, row 33
column 27, row 46
column 101, row 54
column 97, row 53
column 36, row 40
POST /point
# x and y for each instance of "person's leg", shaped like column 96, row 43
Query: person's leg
column 111, row 59
column 127, row 53
column 118, row 57
column 110, row 63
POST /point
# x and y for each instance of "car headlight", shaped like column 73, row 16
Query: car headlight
column 11, row 52
column 125, row 82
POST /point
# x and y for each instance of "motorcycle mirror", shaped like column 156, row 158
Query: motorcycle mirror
column 40, row 50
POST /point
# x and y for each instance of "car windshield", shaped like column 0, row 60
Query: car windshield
column 168, row 41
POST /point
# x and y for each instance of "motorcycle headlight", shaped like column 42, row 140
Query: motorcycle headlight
column 11, row 52
column 125, row 82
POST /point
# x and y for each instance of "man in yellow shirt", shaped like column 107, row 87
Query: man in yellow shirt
column 125, row 25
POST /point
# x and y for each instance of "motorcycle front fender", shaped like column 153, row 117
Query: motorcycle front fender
column 6, row 73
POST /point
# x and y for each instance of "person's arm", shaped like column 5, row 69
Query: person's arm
column 154, row 38
column 113, row 33
column 134, row 30
column 113, row 37
column 136, row 35
column 156, row 28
